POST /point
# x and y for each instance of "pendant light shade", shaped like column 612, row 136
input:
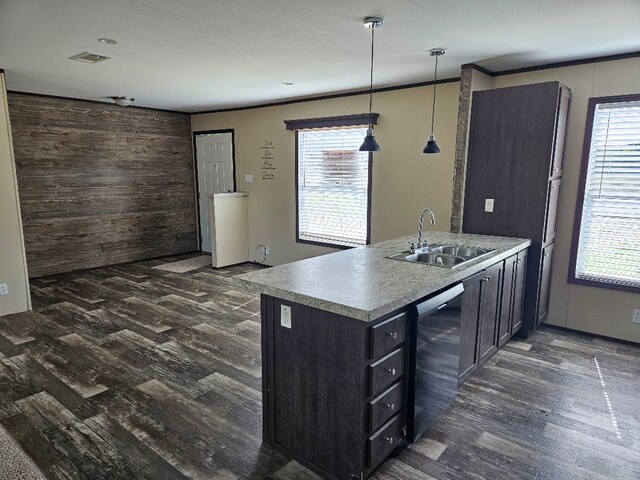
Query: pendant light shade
column 432, row 146
column 369, row 144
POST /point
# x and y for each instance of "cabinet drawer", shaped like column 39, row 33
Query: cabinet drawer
column 388, row 334
column 386, row 371
column 385, row 406
column 384, row 441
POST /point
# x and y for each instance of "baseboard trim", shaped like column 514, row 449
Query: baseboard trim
column 592, row 335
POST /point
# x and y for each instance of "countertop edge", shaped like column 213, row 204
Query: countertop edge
column 456, row 276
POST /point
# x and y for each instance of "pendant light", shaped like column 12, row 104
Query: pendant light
column 370, row 144
column 432, row 146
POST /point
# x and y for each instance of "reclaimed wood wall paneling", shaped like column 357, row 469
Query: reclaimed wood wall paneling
column 101, row 184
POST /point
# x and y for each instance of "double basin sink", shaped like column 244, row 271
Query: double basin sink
column 446, row 256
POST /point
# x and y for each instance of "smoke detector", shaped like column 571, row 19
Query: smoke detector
column 123, row 101
column 87, row 57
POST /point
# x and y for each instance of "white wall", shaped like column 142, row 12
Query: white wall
column 13, row 265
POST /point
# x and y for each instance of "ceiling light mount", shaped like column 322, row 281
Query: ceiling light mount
column 107, row 41
column 123, row 101
column 372, row 22
column 432, row 146
column 369, row 144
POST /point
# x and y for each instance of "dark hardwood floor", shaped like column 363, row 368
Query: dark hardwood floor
column 130, row 372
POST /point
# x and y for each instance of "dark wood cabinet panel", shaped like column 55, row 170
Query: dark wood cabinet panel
column 488, row 318
column 516, row 145
column 519, row 291
column 545, row 281
column 317, row 367
column 385, row 406
column 384, row 441
column 385, row 371
column 388, row 334
column 100, row 184
column 506, row 302
column 469, row 326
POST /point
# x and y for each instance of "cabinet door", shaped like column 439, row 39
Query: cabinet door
column 488, row 318
column 545, row 280
column 552, row 210
column 506, row 302
column 469, row 327
column 518, row 291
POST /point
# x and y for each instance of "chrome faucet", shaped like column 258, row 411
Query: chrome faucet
column 424, row 243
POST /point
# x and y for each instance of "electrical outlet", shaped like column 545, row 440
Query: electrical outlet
column 4, row 290
column 488, row 205
column 285, row 316
column 635, row 318
column 248, row 179
column 267, row 250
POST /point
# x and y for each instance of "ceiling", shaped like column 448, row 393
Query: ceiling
column 195, row 55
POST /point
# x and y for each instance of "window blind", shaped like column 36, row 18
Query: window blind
column 609, row 243
column 333, row 184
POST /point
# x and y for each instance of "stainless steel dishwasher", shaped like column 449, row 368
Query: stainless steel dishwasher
column 433, row 353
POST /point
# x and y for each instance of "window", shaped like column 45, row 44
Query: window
column 333, row 186
column 606, row 243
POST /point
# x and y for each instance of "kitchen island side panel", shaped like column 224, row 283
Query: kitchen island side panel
column 313, row 387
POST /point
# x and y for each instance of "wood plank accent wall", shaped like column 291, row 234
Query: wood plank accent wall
column 101, row 184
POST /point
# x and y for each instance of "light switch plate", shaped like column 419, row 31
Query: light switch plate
column 248, row 179
column 488, row 205
column 285, row 316
column 4, row 290
column 635, row 318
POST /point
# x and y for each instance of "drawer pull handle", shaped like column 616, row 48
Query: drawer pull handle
column 519, row 260
column 390, row 406
column 389, row 440
column 392, row 371
column 487, row 278
column 393, row 335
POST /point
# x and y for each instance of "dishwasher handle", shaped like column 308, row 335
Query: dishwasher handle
column 439, row 301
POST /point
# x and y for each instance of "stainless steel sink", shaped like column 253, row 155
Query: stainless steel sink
column 447, row 256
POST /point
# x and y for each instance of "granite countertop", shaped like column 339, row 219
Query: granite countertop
column 362, row 283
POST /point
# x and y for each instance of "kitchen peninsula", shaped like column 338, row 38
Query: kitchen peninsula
column 340, row 334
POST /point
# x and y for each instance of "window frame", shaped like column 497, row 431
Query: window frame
column 584, row 168
column 344, row 121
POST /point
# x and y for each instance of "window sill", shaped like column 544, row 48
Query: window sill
column 327, row 244
column 605, row 285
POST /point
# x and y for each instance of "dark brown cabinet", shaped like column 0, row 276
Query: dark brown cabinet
column 479, row 322
column 491, row 312
column 337, row 391
column 512, row 296
column 516, row 146
column 333, row 387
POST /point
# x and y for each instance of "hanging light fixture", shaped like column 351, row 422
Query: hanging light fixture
column 432, row 146
column 370, row 144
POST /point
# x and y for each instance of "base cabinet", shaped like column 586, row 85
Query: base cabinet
column 335, row 388
column 491, row 312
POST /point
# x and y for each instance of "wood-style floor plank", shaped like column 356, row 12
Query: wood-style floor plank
column 134, row 372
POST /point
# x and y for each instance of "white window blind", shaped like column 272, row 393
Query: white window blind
column 333, row 184
column 609, row 243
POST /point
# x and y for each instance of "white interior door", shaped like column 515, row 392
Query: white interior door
column 214, row 154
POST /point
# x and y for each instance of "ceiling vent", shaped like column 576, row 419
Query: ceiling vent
column 87, row 57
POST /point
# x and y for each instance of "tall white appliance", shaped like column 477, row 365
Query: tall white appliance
column 229, row 228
